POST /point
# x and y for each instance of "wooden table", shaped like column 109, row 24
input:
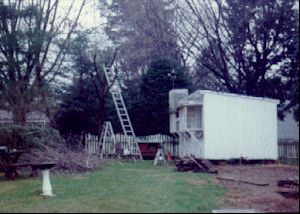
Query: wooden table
column 11, row 156
column 9, row 162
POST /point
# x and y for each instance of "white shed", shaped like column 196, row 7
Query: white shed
column 222, row 126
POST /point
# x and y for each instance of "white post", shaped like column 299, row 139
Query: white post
column 47, row 189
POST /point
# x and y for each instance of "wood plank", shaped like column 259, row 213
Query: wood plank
column 243, row 181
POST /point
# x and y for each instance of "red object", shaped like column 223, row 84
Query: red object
column 148, row 150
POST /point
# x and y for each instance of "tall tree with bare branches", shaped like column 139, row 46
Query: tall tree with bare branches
column 89, row 82
column 141, row 31
column 250, row 47
column 34, row 39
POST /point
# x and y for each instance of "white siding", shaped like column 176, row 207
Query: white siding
column 173, row 123
column 237, row 127
column 182, row 119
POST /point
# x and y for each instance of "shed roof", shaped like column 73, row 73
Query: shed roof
column 241, row 96
column 196, row 98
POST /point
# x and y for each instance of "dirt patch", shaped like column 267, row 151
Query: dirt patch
column 260, row 198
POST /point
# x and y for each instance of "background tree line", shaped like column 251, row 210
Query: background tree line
column 238, row 46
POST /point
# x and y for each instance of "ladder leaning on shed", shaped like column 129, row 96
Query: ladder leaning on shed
column 120, row 106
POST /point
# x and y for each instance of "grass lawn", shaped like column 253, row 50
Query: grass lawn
column 119, row 187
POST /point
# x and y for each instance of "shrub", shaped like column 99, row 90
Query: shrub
column 26, row 138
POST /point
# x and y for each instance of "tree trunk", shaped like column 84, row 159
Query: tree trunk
column 47, row 109
column 19, row 115
column 101, row 114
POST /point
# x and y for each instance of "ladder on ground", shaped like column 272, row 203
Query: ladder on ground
column 107, row 139
column 159, row 157
column 120, row 106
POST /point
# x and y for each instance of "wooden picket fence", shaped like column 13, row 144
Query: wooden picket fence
column 288, row 149
column 92, row 144
column 169, row 144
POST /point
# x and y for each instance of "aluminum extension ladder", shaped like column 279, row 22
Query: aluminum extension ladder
column 120, row 106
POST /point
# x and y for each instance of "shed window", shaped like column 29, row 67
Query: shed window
column 194, row 117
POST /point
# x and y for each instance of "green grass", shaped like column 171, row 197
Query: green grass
column 119, row 187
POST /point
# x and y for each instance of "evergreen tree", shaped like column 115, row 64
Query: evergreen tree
column 149, row 110
column 79, row 110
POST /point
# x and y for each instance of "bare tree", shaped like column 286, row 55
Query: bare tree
column 137, row 29
column 88, row 61
column 248, row 46
column 34, row 39
column 99, row 80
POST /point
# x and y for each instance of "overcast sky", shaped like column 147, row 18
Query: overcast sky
column 90, row 16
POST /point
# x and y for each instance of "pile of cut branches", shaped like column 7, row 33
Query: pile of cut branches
column 190, row 163
column 66, row 159
column 44, row 145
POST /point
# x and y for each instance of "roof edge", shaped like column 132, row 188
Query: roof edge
column 240, row 95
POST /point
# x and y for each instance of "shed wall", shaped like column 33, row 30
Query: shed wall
column 237, row 127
